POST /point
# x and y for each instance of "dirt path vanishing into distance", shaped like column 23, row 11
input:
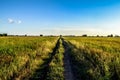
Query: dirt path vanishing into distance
column 67, row 66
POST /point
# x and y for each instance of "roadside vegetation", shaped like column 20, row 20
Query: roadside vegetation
column 21, row 56
column 94, row 58
column 56, row 69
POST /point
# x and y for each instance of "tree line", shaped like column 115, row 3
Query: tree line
column 4, row 34
column 84, row 35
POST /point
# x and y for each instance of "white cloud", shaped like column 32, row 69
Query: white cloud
column 10, row 20
column 19, row 22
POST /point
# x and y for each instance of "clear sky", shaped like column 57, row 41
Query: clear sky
column 92, row 17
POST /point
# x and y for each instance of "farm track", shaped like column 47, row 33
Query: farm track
column 68, row 75
column 42, row 72
column 67, row 66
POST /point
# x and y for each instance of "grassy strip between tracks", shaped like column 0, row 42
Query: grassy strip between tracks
column 56, row 68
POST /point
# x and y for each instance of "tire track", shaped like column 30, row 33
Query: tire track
column 67, row 66
column 45, row 65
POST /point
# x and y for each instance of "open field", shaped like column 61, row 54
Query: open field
column 54, row 58
column 21, row 56
column 94, row 58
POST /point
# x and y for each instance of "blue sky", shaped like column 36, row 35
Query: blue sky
column 67, row 17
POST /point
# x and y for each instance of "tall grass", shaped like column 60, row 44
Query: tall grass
column 95, row 58
column 56, row 69
column 21, row 56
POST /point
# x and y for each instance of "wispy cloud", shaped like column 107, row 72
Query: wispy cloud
column 80, row 31
column 11, row 21
column 19, row 22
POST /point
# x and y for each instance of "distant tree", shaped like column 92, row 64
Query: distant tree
column 25, row 34
column 84, row 35
column 110, row 35
column 98, row 36
column 1, row 35
column 16, row 35
column 41, row 34
column 60, row 36
column 4, row 34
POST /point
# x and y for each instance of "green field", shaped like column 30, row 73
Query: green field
column 95, row 58
column 42, row 58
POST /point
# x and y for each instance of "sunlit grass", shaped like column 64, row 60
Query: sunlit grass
column 20, row 56
column 95, row 58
